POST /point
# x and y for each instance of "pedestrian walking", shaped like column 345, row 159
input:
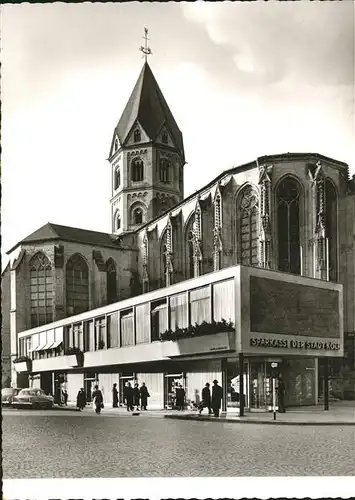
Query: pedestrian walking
column 136, row 396
column 206, row 399
column 98, row 400
column 128, row 396
column 114, row 396
column 144, row 395
column 65, row 397
column 281, row 395
column 216, row 399
column 180, row 397
column 81, row 399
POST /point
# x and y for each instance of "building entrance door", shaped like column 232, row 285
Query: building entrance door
column 122, row 384
column 171, row 381
column 260, row 385
column 233, row 386
column 89, row 382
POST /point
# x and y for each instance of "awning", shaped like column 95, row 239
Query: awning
column 47, row 346
column 40, row 347
column 56, row 344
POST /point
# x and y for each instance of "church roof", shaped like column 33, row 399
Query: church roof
column 148, row 105
column 50, row 232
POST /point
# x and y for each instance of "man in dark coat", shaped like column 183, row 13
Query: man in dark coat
column 81, row 399
column 136, row 396
column 114, row 396
column 180, row 397
column 217, row 393
column 281, row 395
column 206, row 399
column 144, row 395
column 98, row 399
column 128, row 396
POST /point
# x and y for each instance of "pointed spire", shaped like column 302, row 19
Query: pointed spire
column 148, row 106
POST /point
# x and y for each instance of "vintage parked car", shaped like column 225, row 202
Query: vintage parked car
column 7, row 395
column 32, row 398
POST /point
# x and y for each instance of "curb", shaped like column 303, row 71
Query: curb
column 255, row 421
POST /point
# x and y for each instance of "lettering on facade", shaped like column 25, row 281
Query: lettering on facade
column 295, row 344
column 222, row 348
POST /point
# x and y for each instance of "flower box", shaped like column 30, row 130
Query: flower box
column 55, row 363
column 218, row 342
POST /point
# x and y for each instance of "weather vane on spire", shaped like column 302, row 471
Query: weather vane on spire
column 146, row 50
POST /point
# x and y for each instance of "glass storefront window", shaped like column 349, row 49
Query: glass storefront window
column 112, row 330
column 142, row 323
column 223, row 301
column 127, row 328
column 200, row 303
column 178, row 311
column 159, row 318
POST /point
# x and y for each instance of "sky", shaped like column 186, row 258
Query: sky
column 241, row 79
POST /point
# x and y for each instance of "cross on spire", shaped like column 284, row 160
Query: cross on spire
column 146, row 50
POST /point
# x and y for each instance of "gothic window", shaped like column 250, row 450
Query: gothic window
column 248, row 227
column 137, row 135
column 41, row 287
column 288, row 226
column 111, row 281
column 137, row 216
column 331, row 215
column 116, row 144
column 164, row 170
column 77, row 285
column 117, row 180
column 137, row 170
column 164, row 138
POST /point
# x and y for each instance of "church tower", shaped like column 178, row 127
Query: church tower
column 146, row 156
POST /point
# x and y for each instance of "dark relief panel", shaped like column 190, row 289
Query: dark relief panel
column 292, row 309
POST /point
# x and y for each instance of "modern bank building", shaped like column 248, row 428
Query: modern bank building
column 257, row 267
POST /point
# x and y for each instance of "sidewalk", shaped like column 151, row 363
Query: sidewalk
column 339, row 413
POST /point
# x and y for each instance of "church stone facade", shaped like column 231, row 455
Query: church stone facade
column 292, row 213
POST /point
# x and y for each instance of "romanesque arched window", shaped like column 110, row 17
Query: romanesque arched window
column 111, row 281
column 331, row 228
column 137, row 135
column 288, row 225
column 248, row 210
column 41, row 287
column 77, row 285
column 117, row 179
column 164, row 168
column 137, row 216
column 137, row 170
column 117, row 221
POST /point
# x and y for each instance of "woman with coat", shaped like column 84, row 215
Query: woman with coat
column 136, row 396
column 144, row 395
column 81, row 400
column 98, row 400
column 217, row 393
column 114, row 396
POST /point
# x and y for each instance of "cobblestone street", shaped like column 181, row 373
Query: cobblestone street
column 76, row 445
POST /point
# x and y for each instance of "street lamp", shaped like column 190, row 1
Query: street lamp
column 274, row 375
